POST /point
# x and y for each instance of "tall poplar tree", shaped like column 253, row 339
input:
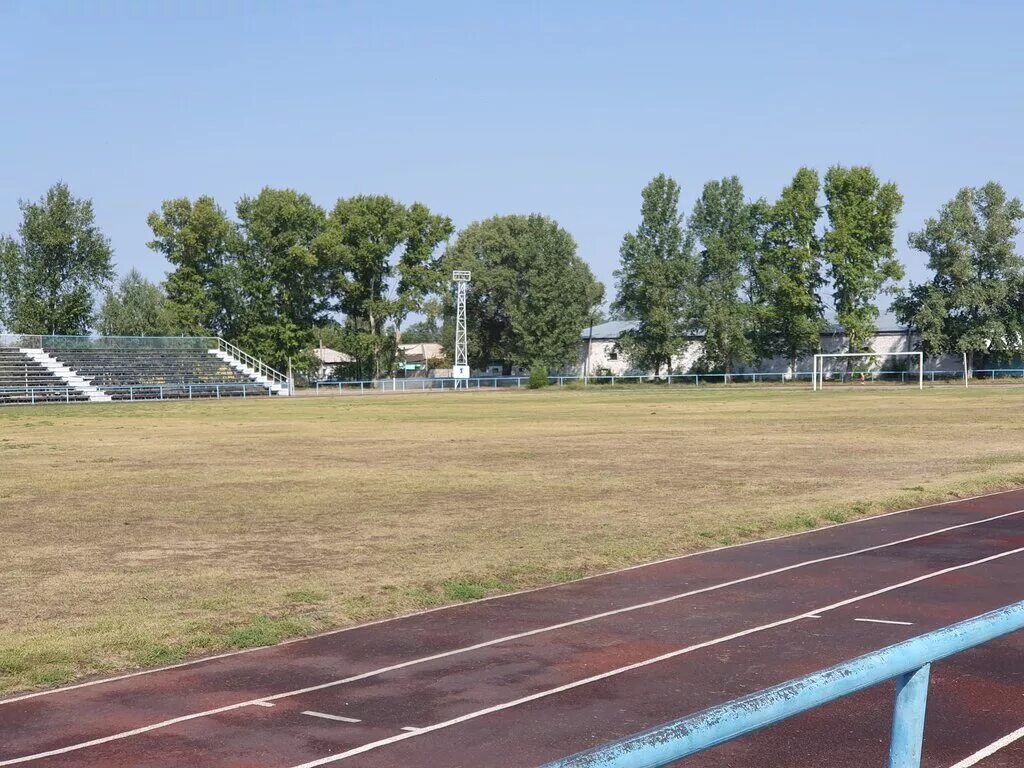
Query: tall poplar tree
column 725, row 225
column 787, row 277
column 654, row 280
column 858, row 247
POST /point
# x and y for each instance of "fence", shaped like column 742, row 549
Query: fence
column 695, row 379
column 34, row 341
column 131, row 392
column 909, row 662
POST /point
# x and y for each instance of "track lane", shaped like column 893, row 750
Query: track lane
column 90, row 711
column 794, row 590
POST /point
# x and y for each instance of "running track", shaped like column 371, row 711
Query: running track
column 523, row 679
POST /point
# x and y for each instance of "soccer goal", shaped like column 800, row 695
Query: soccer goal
column 865, row 367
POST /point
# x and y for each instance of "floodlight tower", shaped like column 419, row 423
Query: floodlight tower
column 460, row 371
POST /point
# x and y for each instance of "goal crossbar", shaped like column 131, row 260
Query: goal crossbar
column 818, row 369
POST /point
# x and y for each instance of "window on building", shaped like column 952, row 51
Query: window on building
column 613, row 355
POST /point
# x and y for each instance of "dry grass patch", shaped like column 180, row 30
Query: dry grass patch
column 141, row 534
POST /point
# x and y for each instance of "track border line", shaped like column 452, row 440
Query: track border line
column 331, row 632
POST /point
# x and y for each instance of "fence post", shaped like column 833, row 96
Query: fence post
column 908, row 719
column 189, row 391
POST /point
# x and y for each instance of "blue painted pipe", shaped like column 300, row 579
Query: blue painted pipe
column 664, row 744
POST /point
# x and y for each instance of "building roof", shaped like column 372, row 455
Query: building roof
column 613, row 329
column 421, row 351
column 331, row 356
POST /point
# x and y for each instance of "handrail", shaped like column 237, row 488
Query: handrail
column 910, row 661
column 255, row 363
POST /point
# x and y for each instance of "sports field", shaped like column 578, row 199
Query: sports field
column 138, row 535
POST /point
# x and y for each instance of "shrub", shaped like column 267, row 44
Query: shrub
column 538, row 377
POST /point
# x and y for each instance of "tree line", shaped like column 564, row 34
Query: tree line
column 751, row 277
column 282, row 274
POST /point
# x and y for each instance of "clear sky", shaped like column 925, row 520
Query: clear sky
column 478, row 108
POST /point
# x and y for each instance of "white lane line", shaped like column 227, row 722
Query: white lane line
column 325, row 716
column 886, row 621
column 410, row 728
column 262, row 704
column 813, row 616
column 489, row 643
column 991, row 749
column 504, row 595
column 621, row 670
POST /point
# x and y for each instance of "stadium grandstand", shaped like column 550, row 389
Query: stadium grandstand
column 75, row 369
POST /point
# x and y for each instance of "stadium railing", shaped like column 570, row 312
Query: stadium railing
column 908, row 662
column 760, row 377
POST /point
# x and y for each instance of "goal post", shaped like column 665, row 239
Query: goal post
column 818, row 367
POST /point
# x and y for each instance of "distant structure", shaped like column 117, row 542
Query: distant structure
column 460, row 369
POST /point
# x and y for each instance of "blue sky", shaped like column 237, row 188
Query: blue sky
column 478, row 108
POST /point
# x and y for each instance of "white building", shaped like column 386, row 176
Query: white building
column 601, row 353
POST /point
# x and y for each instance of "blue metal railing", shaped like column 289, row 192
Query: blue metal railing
column 418, row 384
column 909, row 662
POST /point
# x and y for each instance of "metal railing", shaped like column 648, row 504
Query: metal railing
column 695, row 379
column 38, row 395
column 46, row 341
column 33, row 395
column 173, row 391
column 255, row 364
column 909, row 662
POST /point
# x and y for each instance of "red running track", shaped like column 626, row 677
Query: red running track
column 526, row 678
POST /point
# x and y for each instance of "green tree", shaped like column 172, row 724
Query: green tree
column 531, row 295
column 725, row 225
column 858, row 247
column 201, row 243
column 787, row 277
column 50, row 274
column 286, row 282
column 137, row 307
column 654, row 279
column 971, row 303
column 387, row 263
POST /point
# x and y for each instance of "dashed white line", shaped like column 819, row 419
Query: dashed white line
column 410, row 728
column 326, row 716
column 262, row 704
column 886, row 621
column 991, row 749
column 508, row 638
column 638, row 665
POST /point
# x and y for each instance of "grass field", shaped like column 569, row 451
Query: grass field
column 136, row 535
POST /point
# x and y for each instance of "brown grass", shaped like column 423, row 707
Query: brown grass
column 140, row 534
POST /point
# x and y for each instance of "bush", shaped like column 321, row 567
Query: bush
column 538, row 377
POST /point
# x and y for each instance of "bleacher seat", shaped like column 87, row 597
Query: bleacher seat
column 24, row 381
column 157, row 373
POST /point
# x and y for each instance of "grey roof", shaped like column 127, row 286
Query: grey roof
column 614, row 329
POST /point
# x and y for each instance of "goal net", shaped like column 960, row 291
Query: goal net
column 868, row 367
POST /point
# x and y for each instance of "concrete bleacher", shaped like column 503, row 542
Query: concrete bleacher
column 156, row 373
column 26, row 381
column 42, row 369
